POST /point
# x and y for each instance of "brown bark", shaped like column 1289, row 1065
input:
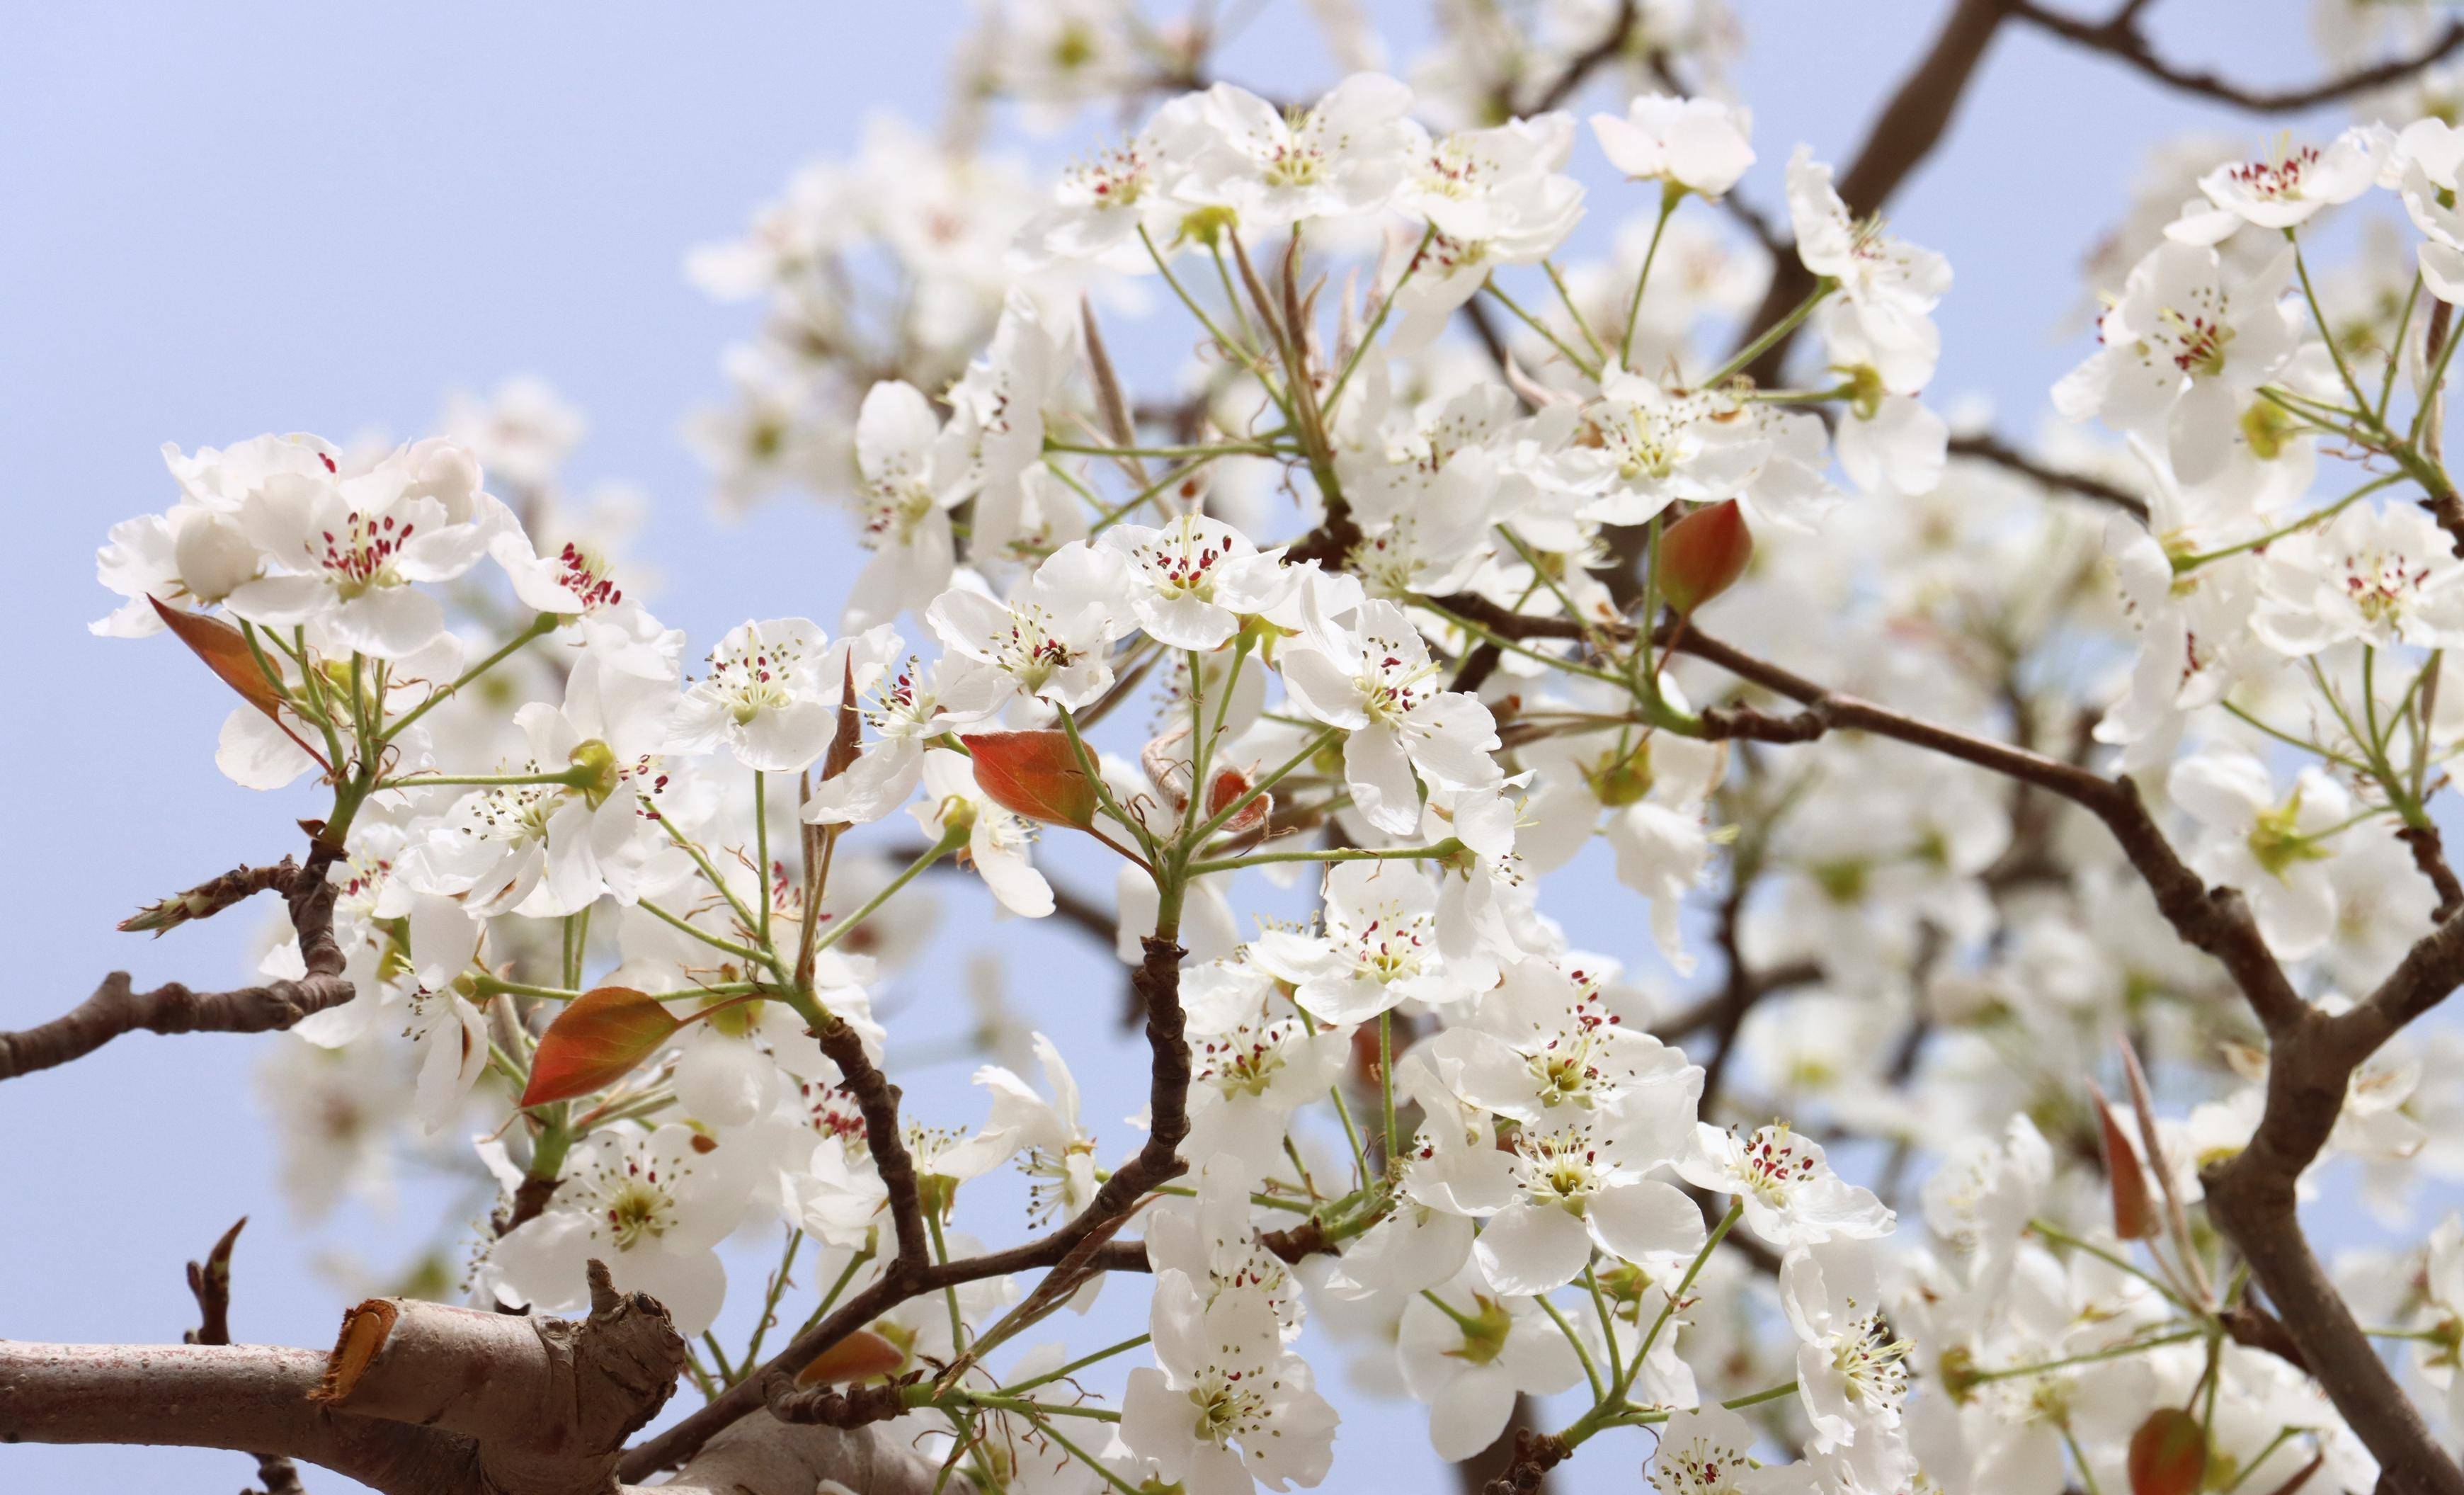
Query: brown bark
column 117, row 1007
column 420, row 1398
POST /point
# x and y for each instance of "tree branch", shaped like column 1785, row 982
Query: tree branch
column 2311, row 1059
column 116, row 1008
column 1158, row 1162
column 1590, row 60
column 2215, row 920
column 1990, row 448
column 2120, row 38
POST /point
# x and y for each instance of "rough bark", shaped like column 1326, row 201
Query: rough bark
column 421, row 1399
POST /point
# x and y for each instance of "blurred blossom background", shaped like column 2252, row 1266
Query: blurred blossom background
column 382, row 222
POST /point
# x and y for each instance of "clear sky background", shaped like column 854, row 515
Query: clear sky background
column 217, row 221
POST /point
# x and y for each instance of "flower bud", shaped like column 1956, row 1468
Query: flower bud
column 1701, row 556
column 2169, row 1454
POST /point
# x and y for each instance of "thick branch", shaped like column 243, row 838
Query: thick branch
column 2252, row 1199
column 249, row 1399
column 878, row 1100
column 209, row 1284
column 116, row 1008
column 2122, row 40
column 544, row 1403
column 767, row 1457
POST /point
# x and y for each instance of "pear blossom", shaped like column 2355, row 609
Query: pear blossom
column 1378, row 949
column 1194, row 579
column 2285, row 188
column 1372, row 680
column 1251, row 1069
column 196, row 554
column 551, row 849
column 1691, row 144
column 2182, row 350
column 770, row 697
column 913, row 473
column 1210, row 1242
column 1346, row 154
column 1889, row 286
column 1852, row 1375
column 2272, row 850
column 1709, row 1451
column 1546, row 1044
column 1052, row 639
column 653, row 1208
column 2429, row 153
column 2380, row 577
column 997, row 839
column 1060, row 1155
column 1491, row 197
column 1104, row 199
column 1789, row 1194
column 342, row 550
column 1582, row 1182
column 1452, row 1175
column 908, row 707
column 1469, row 1353
column 995, row 437
column 1225, row 1403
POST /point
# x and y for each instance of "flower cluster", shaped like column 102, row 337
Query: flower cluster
column 1333, row 652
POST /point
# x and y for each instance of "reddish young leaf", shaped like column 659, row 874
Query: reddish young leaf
column 1034, row 774
column 1230, row 783
column 859, row 1356
column 225, row 652
column 596, row 1042
column 1702, row 554
column 2169, row 1454
column 2134, row 1210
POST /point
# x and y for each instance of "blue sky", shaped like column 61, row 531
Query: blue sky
column 262, row 216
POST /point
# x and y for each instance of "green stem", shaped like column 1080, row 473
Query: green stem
column 948, row 843
column 1575, row 312
column 1590, row 369
column 540, row 626
column 2091, row 1357
column 1386, row 1081
column 1075, row 1366
column 745, row 953
column 1780, row 329
column 1439, row 852
column 1224, row 817
column 1591, row 1374
column 1377, row 319
column 1670, row 195
column 571, row 778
